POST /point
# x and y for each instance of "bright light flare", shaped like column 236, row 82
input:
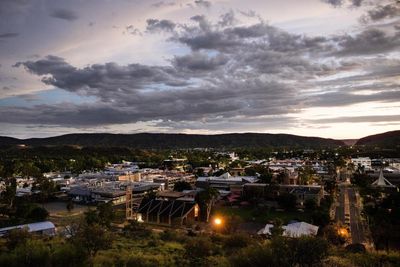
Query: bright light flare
column 343, row 232
column 218, row 221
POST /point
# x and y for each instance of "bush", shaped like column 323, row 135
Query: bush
column 255, row 256
column 304, row 251
column 144, row 261
column 320, row 217
column 33, row 253
column 136, row 230
column 237, row 241
column 67, row 255
column 310, row 205
column 38, row 214
column 170, row 235
column 356, row 248
column 287, row 201
column 30, row 212
column 199, row 247
column 17, row 237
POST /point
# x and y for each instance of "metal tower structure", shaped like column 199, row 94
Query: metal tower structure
column 129, row 203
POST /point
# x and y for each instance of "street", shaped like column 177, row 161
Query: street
column 352, row 210
column 356, row 225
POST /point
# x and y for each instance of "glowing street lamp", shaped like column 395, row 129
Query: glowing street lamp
column 343, row 232
column 217, row 221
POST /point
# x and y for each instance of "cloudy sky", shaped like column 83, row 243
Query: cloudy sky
column 327, row 68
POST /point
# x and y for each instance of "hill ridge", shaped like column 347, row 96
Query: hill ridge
column 177, row 140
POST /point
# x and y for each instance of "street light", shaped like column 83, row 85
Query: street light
column 343, row 232
column 217, row 221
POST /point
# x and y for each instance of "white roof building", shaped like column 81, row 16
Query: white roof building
column 46, row 227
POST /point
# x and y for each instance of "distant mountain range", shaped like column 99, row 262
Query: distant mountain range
column 388, row 139
column 165, row 141
column 161, row 140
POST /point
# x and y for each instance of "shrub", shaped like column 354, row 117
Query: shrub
column 237, row 241
column 199, row 247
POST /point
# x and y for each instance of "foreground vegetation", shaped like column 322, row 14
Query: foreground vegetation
column 136, row 245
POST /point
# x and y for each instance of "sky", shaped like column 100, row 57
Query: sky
column 328, row 68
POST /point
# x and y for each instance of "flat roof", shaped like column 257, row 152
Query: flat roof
column 32, row 227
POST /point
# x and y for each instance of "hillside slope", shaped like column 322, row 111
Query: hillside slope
column 160, row 140
column 388, row 139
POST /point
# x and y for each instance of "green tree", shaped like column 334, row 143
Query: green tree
column 34, row 253
column 310, row 204
column 91, row 217
column 277, row 230
column 106, row 213
column 38, row 214
column 91, row 239
column 320, row 217
column 8, row 196
column 46, row 187
column 68, row 255
column 237, row 241
column 134, row 229
column 70, row 205
column 17, row 237
column 199, row 247
column 205, row 199
column 287, row 201
column 306, row 175
column 182, row 185
column 254, row 256
column 310, row 251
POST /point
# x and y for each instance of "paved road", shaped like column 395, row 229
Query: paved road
column 357, row 228
column 356, row 225
column 340, row 206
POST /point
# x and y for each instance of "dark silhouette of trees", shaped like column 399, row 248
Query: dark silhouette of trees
column 287, row 201
column 283, row 252
column 205, row 199
column 182, row 185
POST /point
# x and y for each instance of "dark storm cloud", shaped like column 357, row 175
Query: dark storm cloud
column 383, row 12
column 174, row 105
column 357, row 3
column 227, row 19
column 221, row 84
column 335, row 3
column 8, row 35
column 155, row 25
column 372, row 70
column 64, row 14
column 48, row 65
column 209, row 36
column 67, row 114
column 101, row 80
column 132, row 30
column 232, row 73
column 357, row 119
column 163, row 4
column 249, row 13
column 340, row 98
column 200, row 62
column 237, row 124
column 369, row 41
column 8, row 7
column 203, row 3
